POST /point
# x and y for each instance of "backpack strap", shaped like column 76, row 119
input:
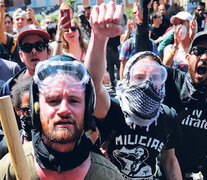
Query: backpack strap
column 13, row 47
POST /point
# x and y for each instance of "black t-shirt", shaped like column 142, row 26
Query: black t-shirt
column 156, row 33
column 192, row 117
column 134, row 151
column 192, row 155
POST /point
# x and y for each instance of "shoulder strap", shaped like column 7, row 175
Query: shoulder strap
column 14, row 44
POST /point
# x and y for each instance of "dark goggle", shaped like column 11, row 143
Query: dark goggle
column 39, row 46
column 26, row 110
column 73, row 28
column 198, row 51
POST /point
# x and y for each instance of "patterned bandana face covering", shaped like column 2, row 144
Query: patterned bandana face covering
column 141, row 103
column 144, row 99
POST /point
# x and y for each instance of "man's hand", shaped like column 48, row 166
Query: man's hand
column 31, row 17
column 106, row 19
column 2, row 11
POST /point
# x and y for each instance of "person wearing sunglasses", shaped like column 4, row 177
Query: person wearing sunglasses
column 187, row 94
column 70, row 41
column 33, row 42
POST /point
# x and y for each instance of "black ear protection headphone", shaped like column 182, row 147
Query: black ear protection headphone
column 89, row 123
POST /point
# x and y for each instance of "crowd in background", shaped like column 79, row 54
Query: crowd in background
column 171, row 31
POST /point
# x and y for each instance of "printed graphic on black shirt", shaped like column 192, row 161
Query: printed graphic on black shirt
column 132, row 162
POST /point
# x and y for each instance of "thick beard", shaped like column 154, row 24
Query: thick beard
column 63, row 135
column 195, row 81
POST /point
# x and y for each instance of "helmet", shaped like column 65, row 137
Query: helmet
column 89, row 123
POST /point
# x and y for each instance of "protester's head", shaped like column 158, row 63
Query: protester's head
column 52, row 29
column 143, row 86
column 46, row 21
column 8, row 20
column 182, row 19
column 87, row 11
column 155, row 5
column 72, row 35
column 161, row 9
column 200, row 9
column 157, row 18
column 20, row 101
column 64, row 92
column 197, row 60
column 33, row 42
column 144, row 60
column 20, row 19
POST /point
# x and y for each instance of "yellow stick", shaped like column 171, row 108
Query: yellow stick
column 12, row 135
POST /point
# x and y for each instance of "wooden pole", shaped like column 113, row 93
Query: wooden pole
column 11, row 132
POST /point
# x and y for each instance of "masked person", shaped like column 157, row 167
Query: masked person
column 20, row 102
column 185, row 29
column 137, row 118
column 62, row 102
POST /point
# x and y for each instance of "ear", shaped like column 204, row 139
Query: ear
column 17, row 111
column 36, row 108
column 187, row 57
column 49, row 52
column 21, row 56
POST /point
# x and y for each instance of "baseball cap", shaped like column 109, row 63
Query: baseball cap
column 199, row 36
column 32, row 30
column 183, row 15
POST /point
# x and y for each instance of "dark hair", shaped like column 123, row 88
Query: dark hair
column 149, row 54
column 19, row 89
column 9, row 16
column 202, row 4
column 51, row 29
column 155, row 15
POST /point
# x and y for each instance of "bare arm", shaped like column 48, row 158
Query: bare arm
column 3, row 36
column 169, row 52
column 126, row 35
column 31, row 17
column 121, row 71
column 59, row 37
column 171, row 165
column 105, row 22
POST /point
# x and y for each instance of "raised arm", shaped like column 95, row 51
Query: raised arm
column 3, row 36
column 105, row 22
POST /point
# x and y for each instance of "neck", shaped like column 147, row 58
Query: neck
column 10, row 32
column 75, row 50
column 156, row 25
column 77, row 173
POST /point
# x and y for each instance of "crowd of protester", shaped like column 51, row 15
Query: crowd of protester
column 145, row 90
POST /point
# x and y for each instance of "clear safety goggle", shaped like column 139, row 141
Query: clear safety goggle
column 141, row 72
column 48, row 73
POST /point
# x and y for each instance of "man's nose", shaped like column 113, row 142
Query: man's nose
column 64, row 108
column 34, row 51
